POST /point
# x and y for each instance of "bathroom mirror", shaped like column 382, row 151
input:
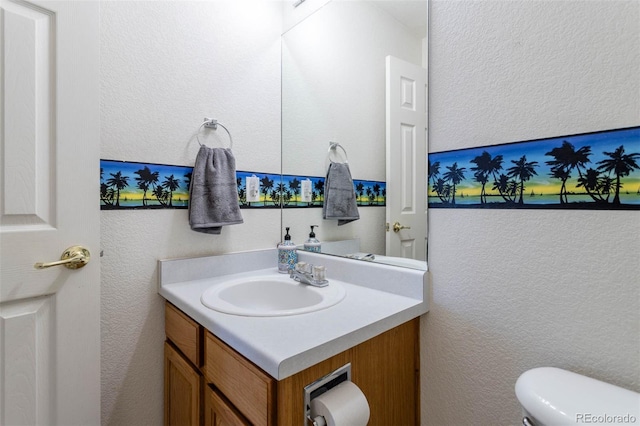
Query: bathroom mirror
column 333, row 89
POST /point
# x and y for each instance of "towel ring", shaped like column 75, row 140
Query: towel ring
column 212, row 123
column 334, row 146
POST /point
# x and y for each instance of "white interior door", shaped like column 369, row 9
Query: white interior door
column 49, row 140
column 406, row 114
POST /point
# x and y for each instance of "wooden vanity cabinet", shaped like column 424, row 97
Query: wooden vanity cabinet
column 183, row 380
column 233, row 391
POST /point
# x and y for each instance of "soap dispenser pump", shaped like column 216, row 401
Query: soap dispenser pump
column 287, row 254
column 312, row 244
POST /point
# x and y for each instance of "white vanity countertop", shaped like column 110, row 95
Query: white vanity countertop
column 379, row 298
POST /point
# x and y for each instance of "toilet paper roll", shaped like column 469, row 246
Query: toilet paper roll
column 343, row 405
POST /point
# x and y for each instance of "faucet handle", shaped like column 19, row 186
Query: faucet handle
column 319, row 273
column 304, row 267
column 312, row 275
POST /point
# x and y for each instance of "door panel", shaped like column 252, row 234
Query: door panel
column 49, row 139
column 26, row 327
column 28, row 118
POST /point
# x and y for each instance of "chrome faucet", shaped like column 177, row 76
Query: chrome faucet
column 309, row 274
column 368, row 257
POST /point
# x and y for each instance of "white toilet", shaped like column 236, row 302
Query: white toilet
column 551, row 396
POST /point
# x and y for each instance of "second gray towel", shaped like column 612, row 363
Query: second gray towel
column 339, row 195
column 213, row 193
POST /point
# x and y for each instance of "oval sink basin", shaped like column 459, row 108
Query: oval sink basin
column 269, row 296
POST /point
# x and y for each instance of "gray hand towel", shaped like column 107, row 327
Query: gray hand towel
column 339, row 195
column 213, row 194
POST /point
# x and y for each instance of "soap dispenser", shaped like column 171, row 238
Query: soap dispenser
column 287, row 254
column 312, row 244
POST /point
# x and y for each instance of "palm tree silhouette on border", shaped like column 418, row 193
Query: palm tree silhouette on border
column 146, row 179
column 119, row 182
column 595, row 183
column 318, row 186
column 621, row 164
column 266, row 184
column 566, row 159
column 524, row 171
column 487, row 166
column 294, row 186
column 359, row 191
column 455, row 175
column 376, row 190
column 107, row 193
column 438, row 185
column 170, row 184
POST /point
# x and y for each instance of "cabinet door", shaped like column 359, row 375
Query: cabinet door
column 218, row 412
column 182, row 390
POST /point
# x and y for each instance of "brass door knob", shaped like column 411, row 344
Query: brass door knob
column 397, row 227
column 74, row 257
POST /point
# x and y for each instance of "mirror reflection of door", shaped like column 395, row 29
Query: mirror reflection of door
column 333, row 89
column 406, row 114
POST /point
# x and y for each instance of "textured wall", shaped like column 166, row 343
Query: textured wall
column 165, row 66
column 513, row 290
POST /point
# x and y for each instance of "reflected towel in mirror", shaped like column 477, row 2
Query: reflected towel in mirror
column 339, row 195
column 213, row 193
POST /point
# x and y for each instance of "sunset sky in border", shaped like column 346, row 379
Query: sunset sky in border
column 534, row 151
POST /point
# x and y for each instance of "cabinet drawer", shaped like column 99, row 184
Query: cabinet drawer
column 247, row 387
column 184, row 332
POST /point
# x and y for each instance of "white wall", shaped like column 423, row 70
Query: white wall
column 165, row 66
column 513, row 290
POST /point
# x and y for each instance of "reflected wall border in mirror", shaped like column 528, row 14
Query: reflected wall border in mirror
column 368, row 193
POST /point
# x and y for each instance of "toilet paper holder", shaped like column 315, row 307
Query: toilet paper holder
column 321, row 386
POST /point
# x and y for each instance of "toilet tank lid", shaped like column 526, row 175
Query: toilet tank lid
column 555, row 396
